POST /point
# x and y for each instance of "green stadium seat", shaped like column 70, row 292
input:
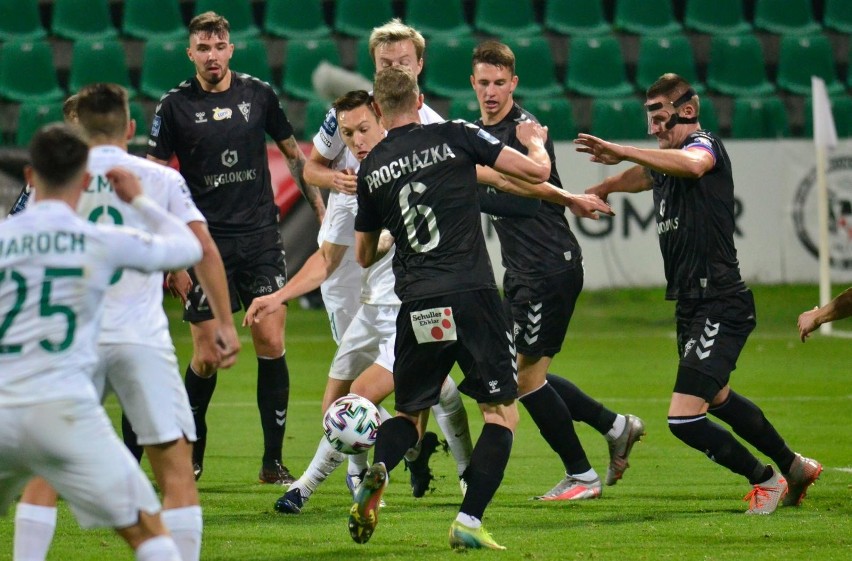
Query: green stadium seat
column 250, row 57
column 146, row 19
column 577, row 17
column 138, row 114
column 659, row 54
column 437, row 18
column 364, row 65
column 237, row 12
column 785, row 16
column 358, row 17
column 800, row 57
column 838, row 15
column 303, row 56
column 645, row 17
column 465, row 107
column 506, row 18
column 596, row 67
column 619, row 119
column 708, row 117
column 556, row 114
column 737, row 67
column 759, row 117
column 280, row 19
column 534, row 66
column 448, row 72
column 82, row 19
column 99, row 60
column 716, row 18
column 315, row 111
column 27, row 73
column 164, row 66
column 32, row 116
column 20, row 20
column 841, row 109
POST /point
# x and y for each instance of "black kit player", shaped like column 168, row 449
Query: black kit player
column 544, row 277
column 216, row 124
column 693, row 187
column 420, row 184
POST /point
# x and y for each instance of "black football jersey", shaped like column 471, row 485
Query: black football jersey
column 695, row 224
column 219, row 139
column 544, row 243
column 420, row 184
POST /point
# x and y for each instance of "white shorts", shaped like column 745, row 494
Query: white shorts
column 150, row 389
column 369, row 339
column 341, row 295
column 72, row 445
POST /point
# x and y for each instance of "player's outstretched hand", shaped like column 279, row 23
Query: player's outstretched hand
column 125, row 183
column 602, row 152
column 589, row 206
column 228, row 344
column 808, row 323
column 530, row 132
column 179, row 283
column 261, row 307
column 345, row 181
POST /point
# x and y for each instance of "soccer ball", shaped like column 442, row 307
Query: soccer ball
column 351, row 423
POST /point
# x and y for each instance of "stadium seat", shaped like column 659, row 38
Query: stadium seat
column 577, row 17
column 736, row 66
column 437, row 18
column 160, row 19
column 841, row 109
column 464, row 107
column 534, row 67
column 556, row 114
column 164, row 66
column 364, row 65
column 27, row 73
column 708, row 116
column 303, row 56
column 596, row 67
column 800, row 57
column 506, row 18
column 99, row 60
column 250, row 57
column 137, row 113
column 238, row 13
column 448, row 71
column 82, row 19
column 785, row 16
column 645, row 17
column 717, row 17
column 32, row 116
column 838, row 15
column 315, row 111
column 763, row 117
column 20, row 20
column 279, row 19
column 660, row 54
column 619, row 119
column 358, row 17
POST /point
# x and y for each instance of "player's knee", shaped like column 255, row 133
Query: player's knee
column 689, row 430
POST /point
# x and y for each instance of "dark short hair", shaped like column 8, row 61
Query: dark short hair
column 672, row 86
column 353, row 100
column 69, row 109
column 57, row 153
column 395, row 89
column 103, row 110
column 209, row 24
column 494, row 53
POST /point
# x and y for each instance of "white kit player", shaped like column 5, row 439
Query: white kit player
column 136, row 355
column 55, row 269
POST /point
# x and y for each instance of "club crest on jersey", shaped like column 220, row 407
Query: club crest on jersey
column 245, row 109
column 433, row 325
column 220, row 114
column 200, row 118
column 486, row 136
column 229, row 158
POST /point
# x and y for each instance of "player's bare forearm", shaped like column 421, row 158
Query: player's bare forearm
column 367, row 247
column 692, row 163
column 633, row 180
column 296, row 162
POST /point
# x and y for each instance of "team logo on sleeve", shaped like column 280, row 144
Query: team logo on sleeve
column 155, row 126
column 220, row 114
column 329, row 125
column 486, row 136
column 245, row 109
column 434, row 325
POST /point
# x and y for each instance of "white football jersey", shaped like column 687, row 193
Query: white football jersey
column 133, row 311
column 54, row 270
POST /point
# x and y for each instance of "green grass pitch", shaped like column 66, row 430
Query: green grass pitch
column 673, row 503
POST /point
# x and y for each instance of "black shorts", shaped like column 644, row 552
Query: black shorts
column 468, row 328
column 710, row 336
column 254, row 266
column 541, row 309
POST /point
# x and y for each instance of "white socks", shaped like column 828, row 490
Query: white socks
column 185, row 525
column 161, row 548
column 452, row 418
column 34, row 528
column 468, row 520
column 617, row 428
column 326, row 459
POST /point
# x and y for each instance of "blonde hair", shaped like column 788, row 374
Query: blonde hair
column 395, row 31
